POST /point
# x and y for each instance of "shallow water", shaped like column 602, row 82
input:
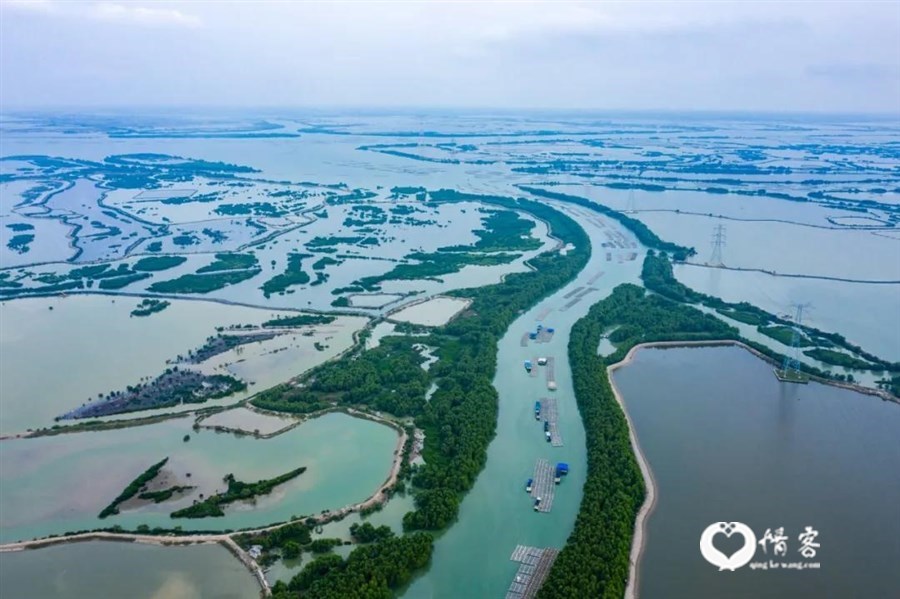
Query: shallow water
column 93, row 345
column 51, row 485
column 119, row 569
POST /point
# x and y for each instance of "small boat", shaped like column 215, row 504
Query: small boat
column 528, row 485
column 562, row 469
column 537, row 410
column 547, row 434
column 542, row 361
column 537, row 503
column 527, row 365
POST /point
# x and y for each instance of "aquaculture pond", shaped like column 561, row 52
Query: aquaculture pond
column 51, row 485
column 727, row 442
column 93, row 345
column 124, row 569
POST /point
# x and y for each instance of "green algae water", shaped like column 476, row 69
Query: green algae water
column 727, row 442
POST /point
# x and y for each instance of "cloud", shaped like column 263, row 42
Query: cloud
column 40, row 6
column 854, row 71
column 108, row 11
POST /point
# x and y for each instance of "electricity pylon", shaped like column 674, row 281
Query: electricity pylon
column 790, row 369
column 718, row 241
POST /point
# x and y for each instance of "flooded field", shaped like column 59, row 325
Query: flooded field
column 93, row 345
column 319, row 219
column 434, row 312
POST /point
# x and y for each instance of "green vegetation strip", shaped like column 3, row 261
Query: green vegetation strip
column 237, row 491
column 460, row 418
column 227, row 261
column 370, row 571
column 658, row 277
column 120, row 282
column 132, row 489
column 595, row 560
column 640, row 230
column 155, row 263
column 292, row 275
column 164, row 494
column 198, row 283
column 433, row 265
column 299, row 320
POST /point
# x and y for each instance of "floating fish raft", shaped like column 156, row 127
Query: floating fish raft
column 534, row 567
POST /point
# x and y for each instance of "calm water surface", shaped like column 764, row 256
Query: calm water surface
column 727, row 442
column 113, row 569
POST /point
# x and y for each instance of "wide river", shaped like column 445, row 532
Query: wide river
column 727, row 442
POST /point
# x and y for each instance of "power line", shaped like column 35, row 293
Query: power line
column 790, row 369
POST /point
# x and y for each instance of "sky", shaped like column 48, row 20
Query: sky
column 638, row 55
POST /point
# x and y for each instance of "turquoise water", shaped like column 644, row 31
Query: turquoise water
column 472, row 558
column 52, row 485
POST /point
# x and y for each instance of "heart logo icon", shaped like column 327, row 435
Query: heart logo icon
column 740, row 557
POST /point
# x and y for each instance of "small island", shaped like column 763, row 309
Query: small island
column 133, row 487
column 150, row 306
column 237, row 491
column 175, row 386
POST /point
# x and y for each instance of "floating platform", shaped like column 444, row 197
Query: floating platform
column 549, row 413
column 544, row 485
column 534, row 371
column 573, row 292
column 551, row 372
column 593, row 279
column 577, row 298
column 544, row 335
column 535, row 565
column 543, row 314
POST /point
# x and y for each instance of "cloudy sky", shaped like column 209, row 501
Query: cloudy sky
column 759, row 56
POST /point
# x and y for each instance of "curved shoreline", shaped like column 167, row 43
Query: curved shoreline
column 226, row 539
column 638, row 541
column 640, row 524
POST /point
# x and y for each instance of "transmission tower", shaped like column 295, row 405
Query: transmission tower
column 718, row 242
column 790, row 369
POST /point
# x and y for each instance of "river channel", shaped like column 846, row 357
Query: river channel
column 472, row 558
